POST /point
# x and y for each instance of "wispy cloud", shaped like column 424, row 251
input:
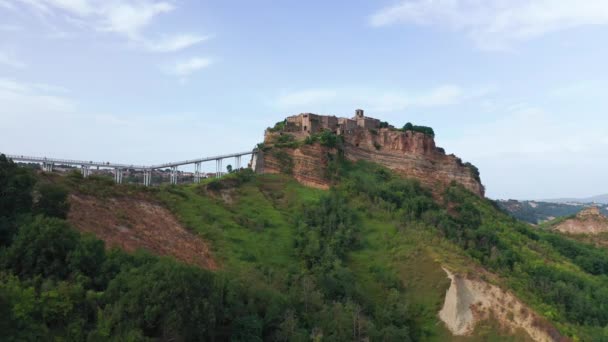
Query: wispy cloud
column 128, row 18
column 17, row 97
column 187, row 67
column 496, row 24
column 176, row 43
column 388, row 100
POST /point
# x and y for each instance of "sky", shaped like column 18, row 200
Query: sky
column 517, row 87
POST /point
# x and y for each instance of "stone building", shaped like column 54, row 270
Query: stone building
column 365, row 122
column 309, row 123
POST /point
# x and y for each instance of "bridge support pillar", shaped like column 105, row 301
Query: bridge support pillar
column 173, row 174
column 147, row 177
column 237, row 162
column 86, row 171
column 197, row 172
column 117, row 176
column 47, row 167
column 218, row 168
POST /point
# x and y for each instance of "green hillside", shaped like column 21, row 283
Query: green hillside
column 361, row 261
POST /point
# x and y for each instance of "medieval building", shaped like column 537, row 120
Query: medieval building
column 308, row 123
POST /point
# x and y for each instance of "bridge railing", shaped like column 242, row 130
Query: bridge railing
column 200, row 160
column 74, row 162
column 49, row 162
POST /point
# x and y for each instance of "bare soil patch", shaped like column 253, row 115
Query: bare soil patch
column 469, row 301
column 136, row 223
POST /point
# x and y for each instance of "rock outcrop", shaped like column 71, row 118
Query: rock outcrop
column 587, row 221
column 469, row 301
column 412, row 154
column 307, row 164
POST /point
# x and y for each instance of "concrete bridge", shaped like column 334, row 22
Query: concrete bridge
column 118, row 169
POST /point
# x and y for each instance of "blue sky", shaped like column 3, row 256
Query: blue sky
column 518, row 87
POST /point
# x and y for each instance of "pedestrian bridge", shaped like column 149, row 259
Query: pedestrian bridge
column 118, row 169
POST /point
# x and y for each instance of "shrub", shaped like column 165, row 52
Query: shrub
column 474, row 171
column 329, row 139
column 52, row 201
column 422, row 129
column 286, row 140
column 279, row 126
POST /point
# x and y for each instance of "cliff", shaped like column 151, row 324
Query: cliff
column 307, row 163
column 412, row 154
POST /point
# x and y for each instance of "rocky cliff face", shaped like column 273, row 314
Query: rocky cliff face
column 307, row 164
column 409, row 153
column 414, row 155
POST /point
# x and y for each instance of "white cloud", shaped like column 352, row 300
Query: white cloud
column 176, row 43
column 496, row 24
column 18, row 98
column 187, row 67
column 390, row 100
column 128, row 18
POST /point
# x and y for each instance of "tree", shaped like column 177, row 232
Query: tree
column 53, row 201
column 42, row 247
column 229, row 168
column 15, row 188
column 163, row 299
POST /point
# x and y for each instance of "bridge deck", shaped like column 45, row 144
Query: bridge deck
column 22, row 158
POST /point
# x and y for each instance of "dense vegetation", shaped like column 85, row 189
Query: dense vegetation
column 57, row 283
column 298, row 264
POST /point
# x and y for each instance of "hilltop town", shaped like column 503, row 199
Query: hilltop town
column 300, row 145
column 306, row 124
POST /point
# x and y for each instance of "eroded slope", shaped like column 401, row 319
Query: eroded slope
column 134, row 223
column 469, row 301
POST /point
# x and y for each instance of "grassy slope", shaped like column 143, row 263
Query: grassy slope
column 251, row 230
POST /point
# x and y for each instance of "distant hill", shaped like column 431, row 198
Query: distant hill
column 587, row 221
column 537, row 212
column 603, row 199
